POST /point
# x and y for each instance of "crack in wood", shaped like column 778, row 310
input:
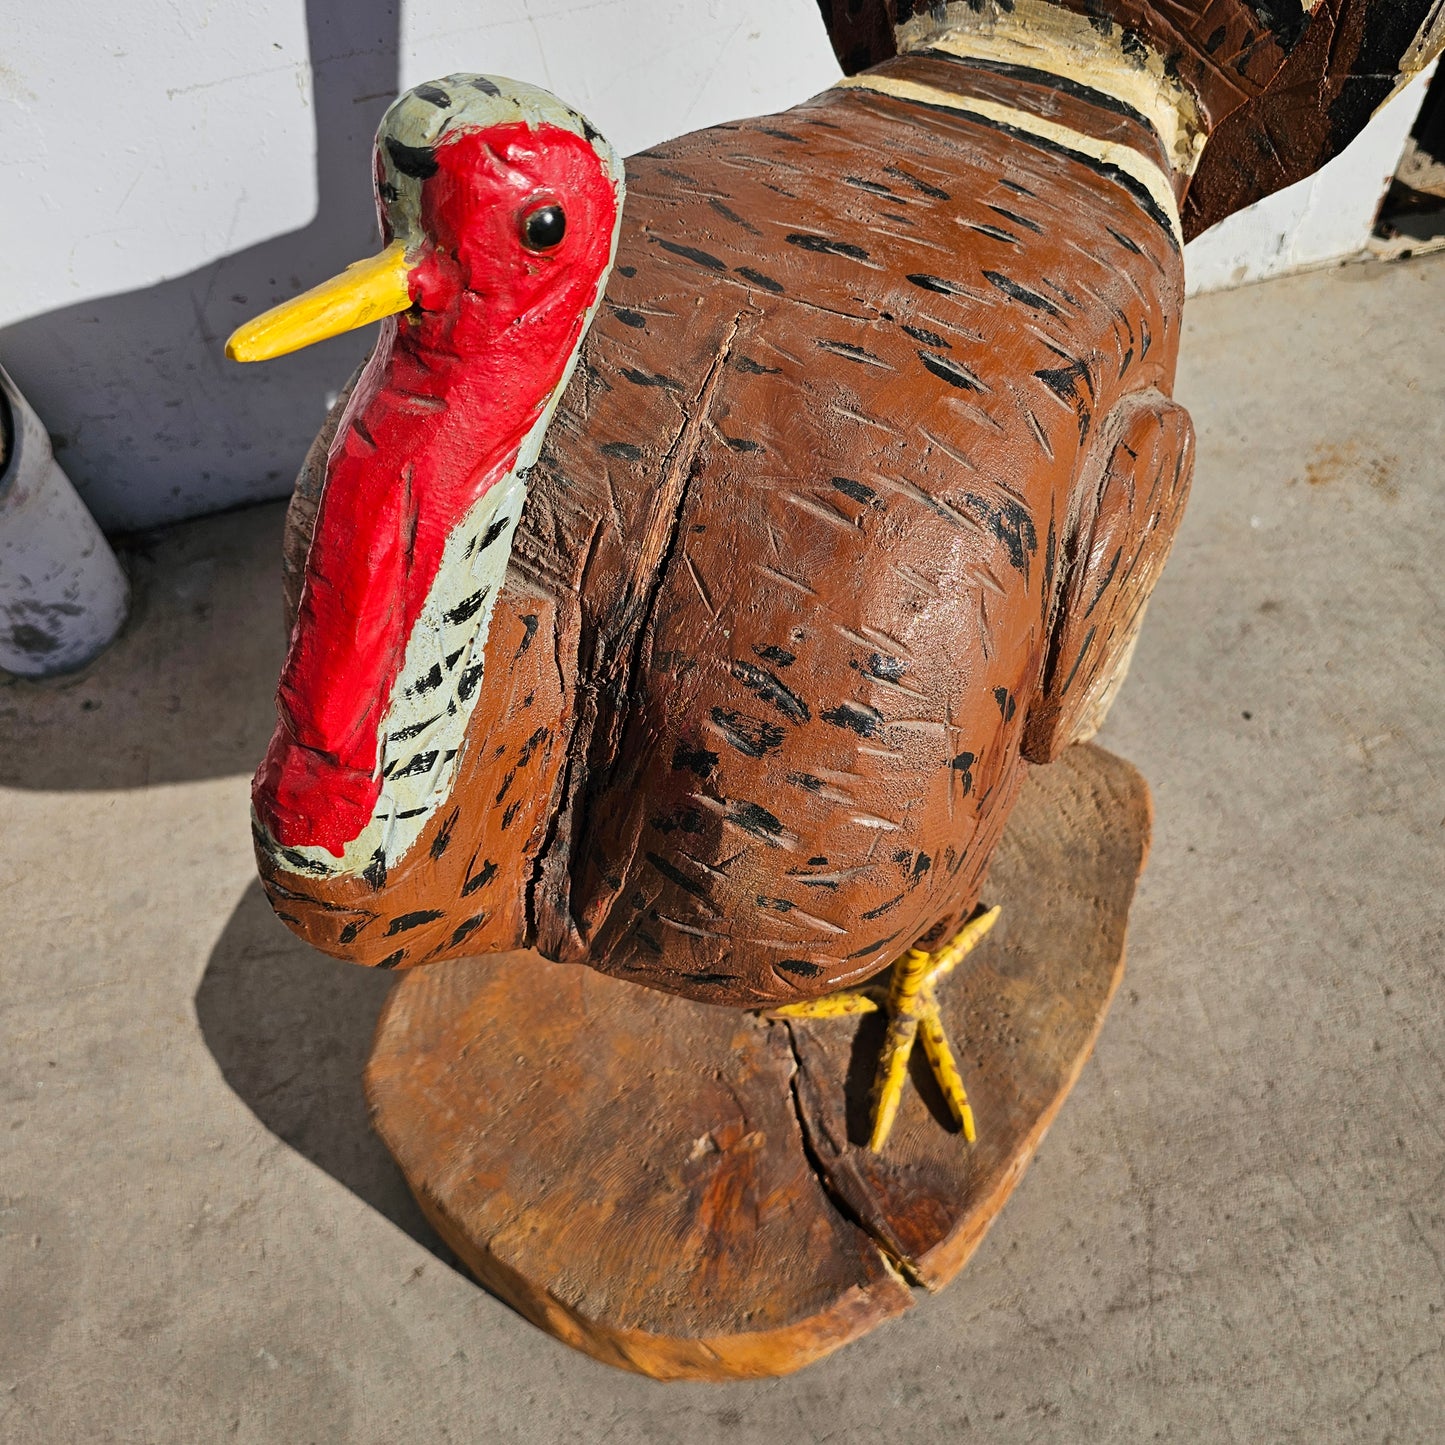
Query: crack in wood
column 891, row 1258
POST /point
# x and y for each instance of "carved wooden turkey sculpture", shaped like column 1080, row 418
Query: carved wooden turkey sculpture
column 692, row 612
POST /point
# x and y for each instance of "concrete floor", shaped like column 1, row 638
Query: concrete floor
column 1235, row 1231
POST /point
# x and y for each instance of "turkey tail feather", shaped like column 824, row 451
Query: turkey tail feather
column 1282, row 86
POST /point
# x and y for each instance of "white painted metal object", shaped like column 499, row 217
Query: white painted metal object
column 62, row 593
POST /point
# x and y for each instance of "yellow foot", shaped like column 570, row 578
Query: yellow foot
column 912, row 1009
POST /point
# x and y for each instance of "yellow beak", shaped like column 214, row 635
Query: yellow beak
column 363, row 293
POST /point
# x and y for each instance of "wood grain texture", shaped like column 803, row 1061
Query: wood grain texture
column 673, row 1187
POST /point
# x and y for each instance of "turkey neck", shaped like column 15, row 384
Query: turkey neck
column 424, row 487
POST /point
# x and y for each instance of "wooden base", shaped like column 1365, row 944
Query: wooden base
column 673, row 1187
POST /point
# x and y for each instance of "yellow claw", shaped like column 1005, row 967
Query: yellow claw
column 888, row 1082
column 913, row 1011
column 963, row 943
column 945, row 1069
column 904, row 996
column 364, row 292
column 834, row 1006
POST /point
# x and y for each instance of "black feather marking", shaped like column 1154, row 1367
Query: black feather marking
column 478, row 879
column 529, row 626
column 405, row 922
column 1017, row 219
column 937, row 284
column 873, row 947
column 1010, row 522
column 530, row 746
column 772, row 690
column 418, row 162
column 691, row 253
column 934, row 191
column 375, row 873
column 695, row 760
column 1124, row 241
column 951, row 372
column 759, row 279
column 1014, row 291
column 927, row 337
column 751, row 736
column 822, row 246
column 755, row 819
column 852, row 353
column 858, row 491
column 625, row 450
column 882, row 908
column 775, row 905
column 997, row 232
column 443, row 839
column 468, row 607
column 418, row 765
column 857, row 717
column 799, row 966
column 963, row 766
column 402, row 735
column 677, row 876
column 467, row 682
column 465, row 927
column 641, row 378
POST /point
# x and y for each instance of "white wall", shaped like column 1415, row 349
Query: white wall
column 174, row 166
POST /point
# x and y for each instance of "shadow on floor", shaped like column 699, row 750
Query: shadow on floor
column 291, row 1031
column 187, row 691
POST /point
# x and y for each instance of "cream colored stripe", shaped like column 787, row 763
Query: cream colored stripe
column 1137, row 167
column 1043, row 35
column 1137, row 89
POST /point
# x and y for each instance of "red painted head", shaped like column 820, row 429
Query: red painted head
column 501, row 208
column 507, row 214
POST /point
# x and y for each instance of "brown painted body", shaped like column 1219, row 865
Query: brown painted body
column 852, row 505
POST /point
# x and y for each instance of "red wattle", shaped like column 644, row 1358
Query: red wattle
column 437, row 418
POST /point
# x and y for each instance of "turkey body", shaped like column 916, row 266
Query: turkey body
column 823, row 545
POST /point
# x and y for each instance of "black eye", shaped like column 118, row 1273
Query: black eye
column 544, row 228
